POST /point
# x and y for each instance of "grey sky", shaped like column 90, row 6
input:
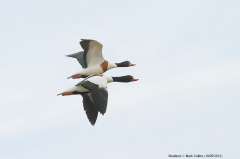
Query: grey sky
column 186, row 101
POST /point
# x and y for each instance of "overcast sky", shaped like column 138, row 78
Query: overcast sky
column 187, row 58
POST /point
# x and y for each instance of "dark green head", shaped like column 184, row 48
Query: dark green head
column 125, row 64
column 127, row 78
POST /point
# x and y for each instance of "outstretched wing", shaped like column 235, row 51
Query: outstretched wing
column 92, row 52
column 79, row 57
column 100, row 99
column 90, row 108
column 97, row 87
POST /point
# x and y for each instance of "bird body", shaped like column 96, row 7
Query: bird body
column 95, row 69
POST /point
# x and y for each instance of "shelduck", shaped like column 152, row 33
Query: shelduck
column 94, row 92
column 92, row 61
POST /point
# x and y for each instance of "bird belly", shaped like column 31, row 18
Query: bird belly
column 95, row 69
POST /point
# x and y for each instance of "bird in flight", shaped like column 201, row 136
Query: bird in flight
column 93, row 89
column 92, row 61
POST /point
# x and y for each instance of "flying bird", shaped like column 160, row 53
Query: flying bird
column 93, row 89
column 92, row 61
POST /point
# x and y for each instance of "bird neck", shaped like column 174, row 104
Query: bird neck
column 111, row 65
column 109, row 79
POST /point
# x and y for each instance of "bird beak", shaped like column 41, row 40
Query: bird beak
column 65, row 93
column 133, row 79
column 75, row 76
column 132, row 64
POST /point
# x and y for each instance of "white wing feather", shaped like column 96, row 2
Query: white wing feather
column 94, row 55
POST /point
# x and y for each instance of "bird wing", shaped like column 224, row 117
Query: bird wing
column 97, row 87
column 92, row 52
column 79, row 57
column 100, row 99
column 90, row 108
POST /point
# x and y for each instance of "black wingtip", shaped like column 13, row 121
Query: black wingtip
column 68, row 56
column 102, row 113
column 92, row 121
column 71, row 55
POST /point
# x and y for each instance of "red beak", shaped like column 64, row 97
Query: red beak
column 133, row 79
column 132, row 64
